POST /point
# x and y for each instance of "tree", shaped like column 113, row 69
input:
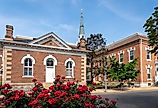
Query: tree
column 122, row 72
column 151, row 27
column 94, row 43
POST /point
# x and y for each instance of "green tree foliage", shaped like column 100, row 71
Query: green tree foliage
column 122, row 72
column 95, row 43
column 151, row 27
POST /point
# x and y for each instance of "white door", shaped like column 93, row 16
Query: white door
column 50, row 70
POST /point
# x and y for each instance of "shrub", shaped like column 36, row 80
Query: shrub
column 59, row 95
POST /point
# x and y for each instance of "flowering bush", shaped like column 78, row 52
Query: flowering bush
column 59, row 95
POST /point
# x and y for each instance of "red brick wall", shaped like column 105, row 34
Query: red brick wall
column 126, row 54
column 39, row 68
column 145, row 63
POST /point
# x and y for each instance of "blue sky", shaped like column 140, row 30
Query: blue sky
column 115, row 19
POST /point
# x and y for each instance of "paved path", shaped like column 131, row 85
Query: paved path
column 133, row 98
column 102, row 91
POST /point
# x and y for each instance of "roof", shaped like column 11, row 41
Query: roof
column 127, row 40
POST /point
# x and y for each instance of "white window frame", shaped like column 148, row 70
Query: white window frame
column 120, row 52
column 73, row 66
column 150, row 56
column 149, row 67
column 129, row 56
column 28, row 56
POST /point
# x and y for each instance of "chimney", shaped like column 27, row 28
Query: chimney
column 9, row 32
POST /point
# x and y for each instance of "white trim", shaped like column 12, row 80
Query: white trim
column 120, row 52
column 25, row 76
column 150, row 55
column 33, row 62
column 73, row 65
column 48, row 36
column 141, row 61
column 131, row 49
column 149, row 67
column 28, row 56
column 50, row 56
column 38, row 50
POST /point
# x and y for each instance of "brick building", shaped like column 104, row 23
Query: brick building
column 44, row 57
column 135, row 46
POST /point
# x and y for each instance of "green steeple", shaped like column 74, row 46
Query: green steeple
column 81, row 30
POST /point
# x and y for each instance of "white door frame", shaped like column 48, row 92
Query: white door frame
column 49, row 68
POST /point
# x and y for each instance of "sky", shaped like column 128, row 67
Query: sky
column 115, row 19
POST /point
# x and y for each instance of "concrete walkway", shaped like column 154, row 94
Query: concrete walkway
column 102, row 91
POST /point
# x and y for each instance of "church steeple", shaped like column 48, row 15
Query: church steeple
column 81, row 44
column 81, row 29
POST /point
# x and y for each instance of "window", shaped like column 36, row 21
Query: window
column 69, row 63
column 148, row 55
column 28, row 67
column 131, row 55
column 28, row 62
column 50, row 62
column 121, row 57
column 69, row 68
column 148, row 73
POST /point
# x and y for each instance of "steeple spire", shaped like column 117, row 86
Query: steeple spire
column 81, row 29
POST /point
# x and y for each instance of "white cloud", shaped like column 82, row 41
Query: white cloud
column 118, row 11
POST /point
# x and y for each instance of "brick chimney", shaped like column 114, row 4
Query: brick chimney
column 9, row 32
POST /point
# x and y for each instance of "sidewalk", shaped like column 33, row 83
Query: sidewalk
column 102, row 91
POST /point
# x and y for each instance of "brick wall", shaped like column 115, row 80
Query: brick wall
column 39, row 67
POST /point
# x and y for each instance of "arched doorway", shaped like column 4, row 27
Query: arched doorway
column 50, row 63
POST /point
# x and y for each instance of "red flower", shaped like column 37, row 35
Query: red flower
column 76, row 96
column 113, row 102
column 51, row 87
column 94, row 83
column 66, row 88
column 5, row 91
column 45, row 91
column 62, row 94
column 52, row 101
column 34, row 80
column 35, row 89
column 57, row 93
column 34, row 102
column 7, row 86
column 40, row 84
column 42, row 95
column 107, row 99
column 58, row 85
column 93, row 97
column 16, row 97
column 88, row 105
column 90, row 89
column 63, row 77
column 7, row 102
